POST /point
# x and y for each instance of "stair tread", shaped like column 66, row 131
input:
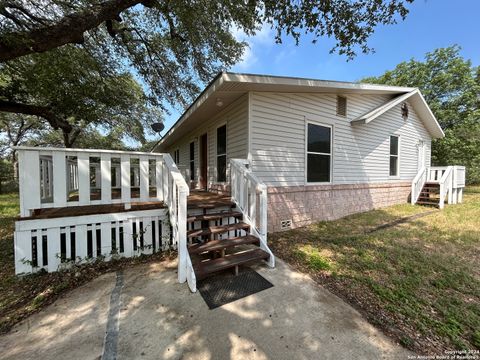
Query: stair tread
column 210, row 204
column 214, row 216
column 423, row 202
column 228, row 261
column 218, row 229
column 222, row 244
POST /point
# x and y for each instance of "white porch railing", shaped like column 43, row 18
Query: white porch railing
column 52, row 177
column 451, row 180
column 57, row 178
column 250, row 195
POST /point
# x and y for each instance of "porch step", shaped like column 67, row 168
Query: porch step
column 214, row 216
column 216, row 245
column 426, row 202
column 213, row 230
column 203, row 269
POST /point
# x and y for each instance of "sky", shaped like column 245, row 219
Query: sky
column 431, row 24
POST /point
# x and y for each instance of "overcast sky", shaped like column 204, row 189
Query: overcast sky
column 429, row 25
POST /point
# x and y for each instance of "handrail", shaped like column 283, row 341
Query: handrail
column 177, row 192
column 250, row 195
column 417, row 184
column 446, row 185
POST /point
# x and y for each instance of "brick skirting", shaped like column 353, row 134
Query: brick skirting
column 304, row 205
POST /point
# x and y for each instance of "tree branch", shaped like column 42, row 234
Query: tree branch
column 40, row 111
column 69, row 29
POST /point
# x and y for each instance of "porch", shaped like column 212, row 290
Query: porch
column 78, row 206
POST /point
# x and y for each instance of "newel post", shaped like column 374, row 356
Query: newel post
column 182, row 233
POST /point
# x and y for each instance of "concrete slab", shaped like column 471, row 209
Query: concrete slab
column 161, row 319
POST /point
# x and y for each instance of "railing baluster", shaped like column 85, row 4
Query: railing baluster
column 144, row 180
column 59, row 179
column 29, row 181
column 106, row 178
column 83, row 178
column 125, row 172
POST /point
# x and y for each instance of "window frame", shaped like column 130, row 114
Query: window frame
column 191, row 160
column 397, row 175
column 176, row 156
column 217, row 155
column 331, row 127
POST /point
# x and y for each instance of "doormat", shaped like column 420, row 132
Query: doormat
column 225, row 288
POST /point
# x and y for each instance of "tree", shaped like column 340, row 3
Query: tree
column 73, row 90
column 451, row 87
column 17, row 129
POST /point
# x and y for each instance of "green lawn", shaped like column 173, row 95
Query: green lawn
column 20, row 297
column 419, row 281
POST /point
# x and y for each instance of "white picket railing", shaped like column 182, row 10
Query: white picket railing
column 56, row 178
column 52, row 177
column 451, row 180
column 56, row 243
column 250, row 196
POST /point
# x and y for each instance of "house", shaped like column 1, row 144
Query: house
column 253, row 154
column 324, row 149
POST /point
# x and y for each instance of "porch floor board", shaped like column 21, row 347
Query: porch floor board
column 204, row 199
column 49, row 213
column 197, row 199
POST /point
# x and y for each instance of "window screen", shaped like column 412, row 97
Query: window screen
column 319, row 153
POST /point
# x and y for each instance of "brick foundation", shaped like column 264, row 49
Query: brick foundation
column 307, row 204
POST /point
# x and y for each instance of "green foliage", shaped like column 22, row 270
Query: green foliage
column 80, row 88
column 451, row 87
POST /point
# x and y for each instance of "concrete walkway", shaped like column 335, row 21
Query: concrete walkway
column 161, row 319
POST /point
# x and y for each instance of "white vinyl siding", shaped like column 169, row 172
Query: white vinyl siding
column 235, row 116
column 360, row 153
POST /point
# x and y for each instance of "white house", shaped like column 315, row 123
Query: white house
column 324, row 149
column 253, row 154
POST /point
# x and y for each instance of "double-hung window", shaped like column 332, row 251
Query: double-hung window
column 394, row 163
column 192, row 161
column 222, row 153
column 319, row 153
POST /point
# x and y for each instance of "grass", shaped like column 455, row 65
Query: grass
column 22, row 296
column 418, row 280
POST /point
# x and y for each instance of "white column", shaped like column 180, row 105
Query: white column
column 81, row 242
column 182, row 235
column 106, row 242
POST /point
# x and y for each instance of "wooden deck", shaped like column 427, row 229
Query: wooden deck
column 208, row 200
column 197, row 199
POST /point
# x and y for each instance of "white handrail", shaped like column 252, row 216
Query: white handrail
column 446, row 185
column 250, row 195
column 176, row 201
column 418, row 183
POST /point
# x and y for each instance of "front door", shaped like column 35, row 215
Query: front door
column 203, row 161
column 421, row 154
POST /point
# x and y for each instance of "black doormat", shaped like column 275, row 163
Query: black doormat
column 225, row 288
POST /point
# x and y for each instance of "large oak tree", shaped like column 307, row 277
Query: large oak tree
column 170, row 46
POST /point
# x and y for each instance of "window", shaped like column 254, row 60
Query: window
column 341, row 105
column 176, row 156
column 393, row 155
column 222, row 153
column 192, row 161
column 319, row 153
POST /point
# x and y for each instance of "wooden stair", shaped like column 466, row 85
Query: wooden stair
column 204, row 268
column 224, row 240
column 429, row 196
